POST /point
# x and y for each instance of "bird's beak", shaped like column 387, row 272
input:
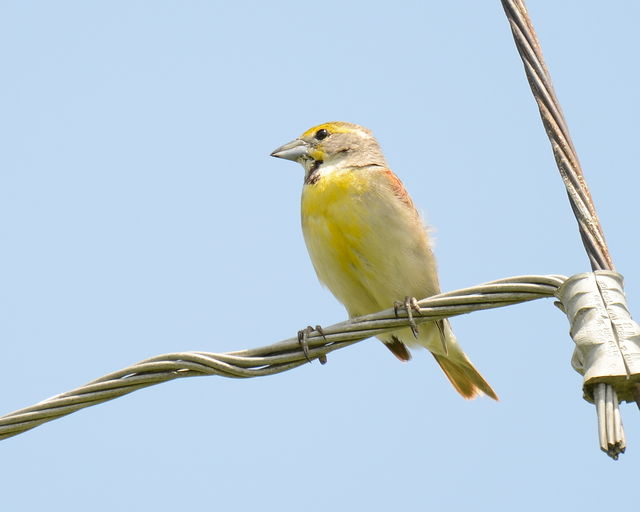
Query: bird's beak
column 294, row 150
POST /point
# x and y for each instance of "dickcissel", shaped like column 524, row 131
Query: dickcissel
column 367, row 241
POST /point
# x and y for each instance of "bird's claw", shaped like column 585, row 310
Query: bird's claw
column 303, row 340
column 411, row 306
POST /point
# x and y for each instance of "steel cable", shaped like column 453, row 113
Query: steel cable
column 278, row 357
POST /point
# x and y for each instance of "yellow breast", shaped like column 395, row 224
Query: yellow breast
column 334, row 223
column 367, row 245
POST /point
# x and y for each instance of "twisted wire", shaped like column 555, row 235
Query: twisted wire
column 556, row 127
column 611, row 433
column 278, row 357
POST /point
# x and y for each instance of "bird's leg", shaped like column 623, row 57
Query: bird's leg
column 323, row 357
column 410, row 305
column 303, row 337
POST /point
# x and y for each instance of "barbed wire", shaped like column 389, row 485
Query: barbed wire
column 611, row 432
column 278, row 357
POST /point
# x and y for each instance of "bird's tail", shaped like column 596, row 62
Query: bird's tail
column 463, row 375
column 438, row 338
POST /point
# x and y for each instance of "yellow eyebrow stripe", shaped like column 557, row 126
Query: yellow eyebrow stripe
column 331, row 127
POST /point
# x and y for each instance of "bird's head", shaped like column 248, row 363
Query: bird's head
column 330, row 145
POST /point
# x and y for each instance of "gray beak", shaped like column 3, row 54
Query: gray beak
column 294, row 150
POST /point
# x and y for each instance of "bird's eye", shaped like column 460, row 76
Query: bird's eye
column 321, row 134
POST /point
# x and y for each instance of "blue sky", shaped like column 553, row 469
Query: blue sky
column 140, row 213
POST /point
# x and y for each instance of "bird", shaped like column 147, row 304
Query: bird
column 368, row 243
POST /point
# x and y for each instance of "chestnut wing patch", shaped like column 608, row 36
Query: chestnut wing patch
column 398, row 189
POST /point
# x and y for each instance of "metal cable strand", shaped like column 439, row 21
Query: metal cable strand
column 278, row 357
column 611, row 433
column 555, row 125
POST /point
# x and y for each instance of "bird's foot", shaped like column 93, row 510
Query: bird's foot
column 411, row 306
column 303, row 339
